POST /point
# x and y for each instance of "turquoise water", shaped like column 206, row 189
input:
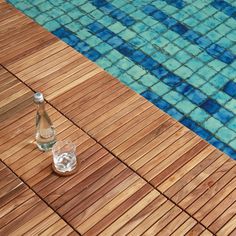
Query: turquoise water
column 180, row 55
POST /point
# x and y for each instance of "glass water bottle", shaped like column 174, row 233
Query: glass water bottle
column 45, row 132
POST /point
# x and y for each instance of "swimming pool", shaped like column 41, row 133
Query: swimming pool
column 180, row 55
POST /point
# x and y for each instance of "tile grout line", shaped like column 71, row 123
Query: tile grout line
column 107, row 151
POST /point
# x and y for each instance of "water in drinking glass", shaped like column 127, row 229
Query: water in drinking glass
column 64, row 156
column 65, row 162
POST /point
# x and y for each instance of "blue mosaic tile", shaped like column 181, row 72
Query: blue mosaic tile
column 199, row 115
column 232, row 144
column 224, row 7
column 210, row 106
column 115, row 71
column 160, row 72
column 150, row 96
column 137, row 87
column 231, row 105
column 124, row 64
column 179, row 28
column 115, row 41
column 126, row 79
column 173, row 97
column 193, row 126
column 184, row 88
column 230, row 89
column 214, row 50
column 104, row 62
column 137, row 42
column 149, row 9
column 217, row 143
column 229, row 151
column 203, row 42
column 170, row 22
column 160, row 88
column 185, row 106
column 95, row 27
column 219, row 81
column 52, row 25
column 162, row 104
column 232, row 124
column 223, row 115
column 105, row 34
column 226, row 134
column 175, row 113
column 137, row 56
column 136, row 71
column 209, row 89
column 212, row 124
column 196, row 97
column 148, row 80
column 116, row 28
column 92, row 54
column 221, row 97
column 172, row 80
column 149, row 64
column 177, row 3
column 228, row 72
column 179, row 54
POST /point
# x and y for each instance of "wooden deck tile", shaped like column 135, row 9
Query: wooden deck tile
column 104, row 197
column 164, row 159
column 23, row 212
column 131, row 139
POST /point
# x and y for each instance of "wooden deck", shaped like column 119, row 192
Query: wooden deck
column 142, row 173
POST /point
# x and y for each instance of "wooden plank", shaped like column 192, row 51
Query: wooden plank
column 24, row 212
column 161, row 151
column 217, row 211
column 37, row 39
column 118, row 212
column 129, row 214
column 205, row 185
column 141, row 216
column 203, row 166
column 186, row 168
column 36, row 57
column 58, row 229
column 227, row 228
column 98, row 189
column 190, row 228
column 152, row 127
column 223, row 219
column 214, row 196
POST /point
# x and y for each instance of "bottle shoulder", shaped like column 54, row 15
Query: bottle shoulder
column 43, row 118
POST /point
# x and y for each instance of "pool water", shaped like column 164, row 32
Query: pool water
column 178, row 54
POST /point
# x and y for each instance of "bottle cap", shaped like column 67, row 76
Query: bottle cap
column 38, row 97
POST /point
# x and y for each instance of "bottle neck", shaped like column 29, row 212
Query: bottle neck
column 41, row 107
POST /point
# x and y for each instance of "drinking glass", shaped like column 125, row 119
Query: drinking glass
column 64, row 156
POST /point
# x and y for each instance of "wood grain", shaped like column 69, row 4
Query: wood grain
column 141, row 171
column 24, row 212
